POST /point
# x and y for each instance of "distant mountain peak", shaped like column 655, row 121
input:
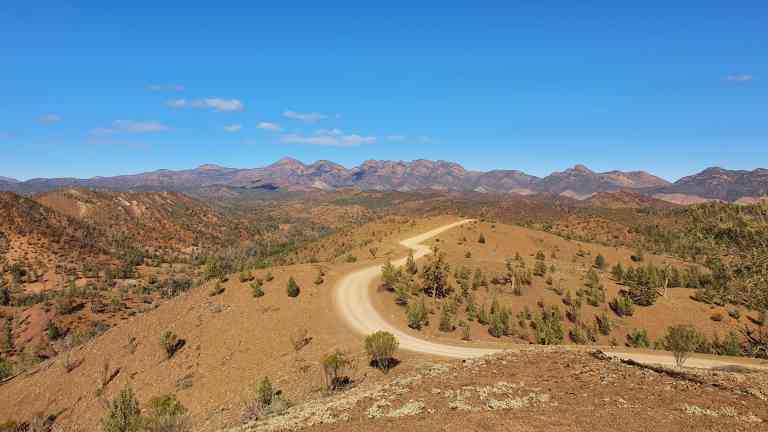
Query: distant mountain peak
column 582, row 169
column 8, row 179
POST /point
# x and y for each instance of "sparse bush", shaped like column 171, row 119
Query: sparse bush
column 299, row 339
column 124, row 414
column 600, row 262
column 264, row 392
column 256, row 289
column 603, row 323
column 293, row 289
column 171, row 343
column 638, row 338
column 245, row 277
column 336, row 366
column 167, row 414
column 417, row 314
column 267, row 400
column 381, row 346
column 6, row 369
column 410, row 264
column 466, row 333
column 622, row 306
column 446, row 319
column 548, row 326
column 729, row 346
column 481, row 239
column 269, row 277
column 351, row 258
column 681, row 340
column 578, row 335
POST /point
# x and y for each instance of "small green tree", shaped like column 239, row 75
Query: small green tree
column 603, row 323
column 446, row 319
column 335, row 367
column 417, row 314
column 256, row 289
column 622, row 306
column 381, row 346
column 265, row 392
column 124, row 413
column 617, row 271
column 410, row 264
column 681, row 340
column 293, row 289
column 600, row 261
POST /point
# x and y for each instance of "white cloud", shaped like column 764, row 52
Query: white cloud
column 233, row 128
column 396, row 138
column 130, row 126
column 268, row 126
column 333, row 138
column 312, row 117
column 335, row 131
column 217, row 104
column 50, row 118
column 739, row 78
column 165, row 87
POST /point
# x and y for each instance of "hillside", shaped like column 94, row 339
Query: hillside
column 156, row 220
column 232, row 339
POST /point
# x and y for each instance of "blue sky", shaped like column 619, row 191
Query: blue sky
column 88, row 89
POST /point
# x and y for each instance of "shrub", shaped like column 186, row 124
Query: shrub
column 293, row 289
column 638, row 338
column 603, row 323
column 267, row 400
column 446, row 320
column 548, row 327
column 410, row 264
column 622, row 306
column 466, row 333
column 539, row 269
column 245, row 277
column 600, row 262
column 6, row 369
column 269, row 277
column 264, row 392
column 735, row 313
column 730, row 346
column 124, row 414
column 578, row 335
column 171, row 343
column 381, row 346
column 681, row 340
column 481, row 239
column 336, row 366
column 256, row 289
column 417, row 314
column 167, row 414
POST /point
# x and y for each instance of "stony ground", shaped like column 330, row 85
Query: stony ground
column 538, row 388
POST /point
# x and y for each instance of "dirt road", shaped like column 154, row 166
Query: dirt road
column 354, row 304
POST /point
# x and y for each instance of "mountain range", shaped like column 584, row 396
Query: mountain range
column 289, row 174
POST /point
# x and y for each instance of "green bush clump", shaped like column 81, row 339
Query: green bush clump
column 381, row 347
column 293, row 289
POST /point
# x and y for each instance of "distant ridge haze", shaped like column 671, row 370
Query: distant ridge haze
column 293, row 175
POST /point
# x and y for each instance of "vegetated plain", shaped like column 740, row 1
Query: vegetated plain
column 94, row 301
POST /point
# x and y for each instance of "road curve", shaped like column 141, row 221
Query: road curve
column 353, row 302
